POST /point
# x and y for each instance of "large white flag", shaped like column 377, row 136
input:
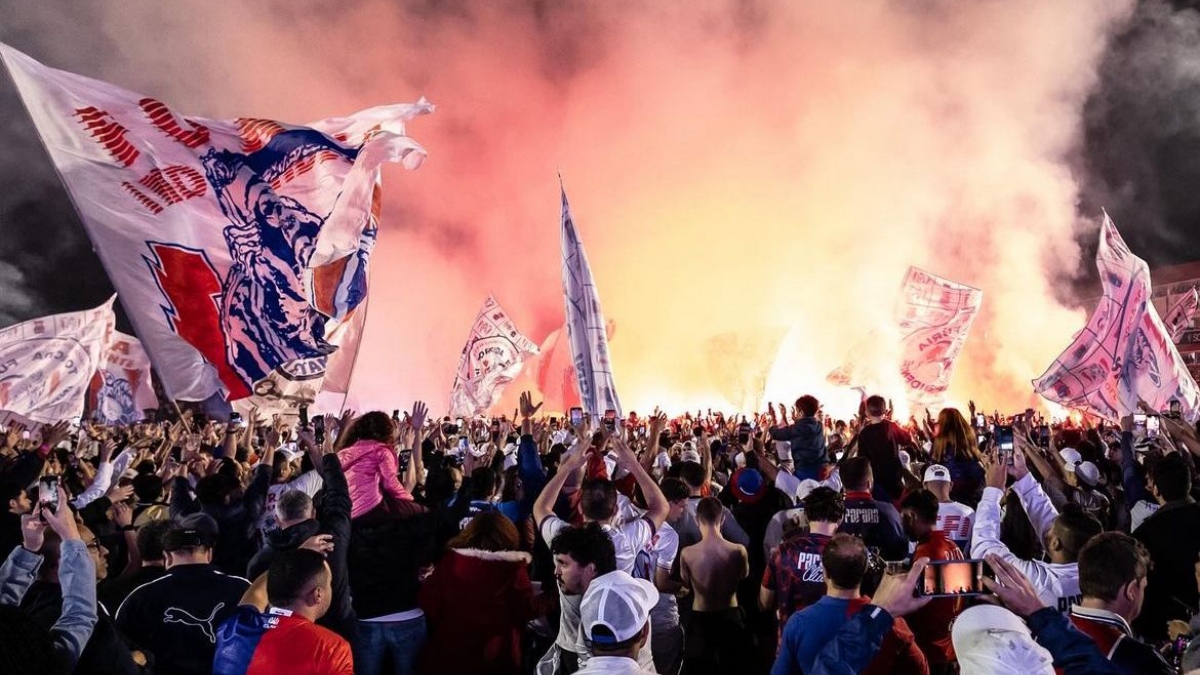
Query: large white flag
column 46, row 364
column 586, row 328
column 934, row 316
column 230, row 241
column 1125, row 352
column 492, row 357
column 1179, row 316
column 297, row 383
column 121, row 390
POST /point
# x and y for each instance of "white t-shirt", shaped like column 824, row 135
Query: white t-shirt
column 308, row 482
column 629, row 539
column 957, row 521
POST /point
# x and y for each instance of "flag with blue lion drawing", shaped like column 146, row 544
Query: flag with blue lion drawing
column 121, row 391
column 231, row 242
column 1125, row 353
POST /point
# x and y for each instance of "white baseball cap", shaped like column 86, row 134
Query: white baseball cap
column 1070, row 457
column 617, row 603
column 991, row 639
column 937, row 472
column 1088, row 473
column 806, row 486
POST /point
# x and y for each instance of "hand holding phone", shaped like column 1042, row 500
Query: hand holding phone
column 1005, row 444
column 48, row 493
column 951, row 579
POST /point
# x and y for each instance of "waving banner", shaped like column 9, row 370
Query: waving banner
column 934, row 316
column 586, row 328
column 1125, row 353
column 231, row 242
column 121, row 390
column 493, row 356
column 1179, row 317
column 297, row 383
column 46, row 364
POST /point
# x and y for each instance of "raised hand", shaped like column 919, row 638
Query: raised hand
column 61, row 519
column 53, row 435
column 1012, row 588
column 528, row 409
column 321, row 543
column 895, row 592
column 419, row 412
column 122, row 514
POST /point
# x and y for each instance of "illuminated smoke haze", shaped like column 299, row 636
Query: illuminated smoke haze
column 735, row 168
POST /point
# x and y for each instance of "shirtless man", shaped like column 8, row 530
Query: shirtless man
column 712, row 569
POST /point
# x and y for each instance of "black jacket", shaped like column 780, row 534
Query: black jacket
column 106, row 651
column 333, row 517
column 237, row 541
column 176, row 616
column 385, row 561
column 1172, row 536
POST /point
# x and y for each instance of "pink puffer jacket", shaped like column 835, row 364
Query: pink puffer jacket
column 371, row 469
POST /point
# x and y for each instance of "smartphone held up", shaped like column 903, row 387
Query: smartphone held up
column 952, row 579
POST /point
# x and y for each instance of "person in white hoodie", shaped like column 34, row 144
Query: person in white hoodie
column 1063, row 535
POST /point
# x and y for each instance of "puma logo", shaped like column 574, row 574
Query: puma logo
column 176, row 615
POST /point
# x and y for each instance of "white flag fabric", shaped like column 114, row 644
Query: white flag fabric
column 121, row 390
column 46, row 364
column 230, row 241
column 1179, row 317
column 297, row 383
column 586, row 328
column 859, row 369
column 934, row 316
column 493, row 356
column 1125, row 352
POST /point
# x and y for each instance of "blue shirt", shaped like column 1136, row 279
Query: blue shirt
column 809, row 630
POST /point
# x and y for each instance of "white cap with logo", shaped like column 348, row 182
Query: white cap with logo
column 937, row 472
column 616, row 607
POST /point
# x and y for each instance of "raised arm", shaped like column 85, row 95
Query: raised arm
column 543, row 506
column 656, row 504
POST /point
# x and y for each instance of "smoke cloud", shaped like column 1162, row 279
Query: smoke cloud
column 736, row 168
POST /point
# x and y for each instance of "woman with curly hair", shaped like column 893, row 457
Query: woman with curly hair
column 368, row 457
column 955, row 447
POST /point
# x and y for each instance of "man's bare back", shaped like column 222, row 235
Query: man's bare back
column 713, row 568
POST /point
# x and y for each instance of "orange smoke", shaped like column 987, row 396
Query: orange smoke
column 736, row 170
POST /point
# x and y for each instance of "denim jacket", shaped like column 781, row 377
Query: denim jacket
column 76, row 576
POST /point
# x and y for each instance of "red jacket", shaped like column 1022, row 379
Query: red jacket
column 476, row 604
column 931, row 623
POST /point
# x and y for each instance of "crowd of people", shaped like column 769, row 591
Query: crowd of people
column 786, row 542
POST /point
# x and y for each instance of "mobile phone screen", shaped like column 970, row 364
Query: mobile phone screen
column 576, row 416
column 1153, row 424
column 48, row 491
column 1139, row 424
column 1004, row 443
column 952, row 578
column 610, row 419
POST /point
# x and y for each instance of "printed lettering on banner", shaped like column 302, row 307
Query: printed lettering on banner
column 492, row 357
column 586, row 327
column 46, row 364
column 121, row 390
column 1125, row 354
column 934, row 317
column 233, row 243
